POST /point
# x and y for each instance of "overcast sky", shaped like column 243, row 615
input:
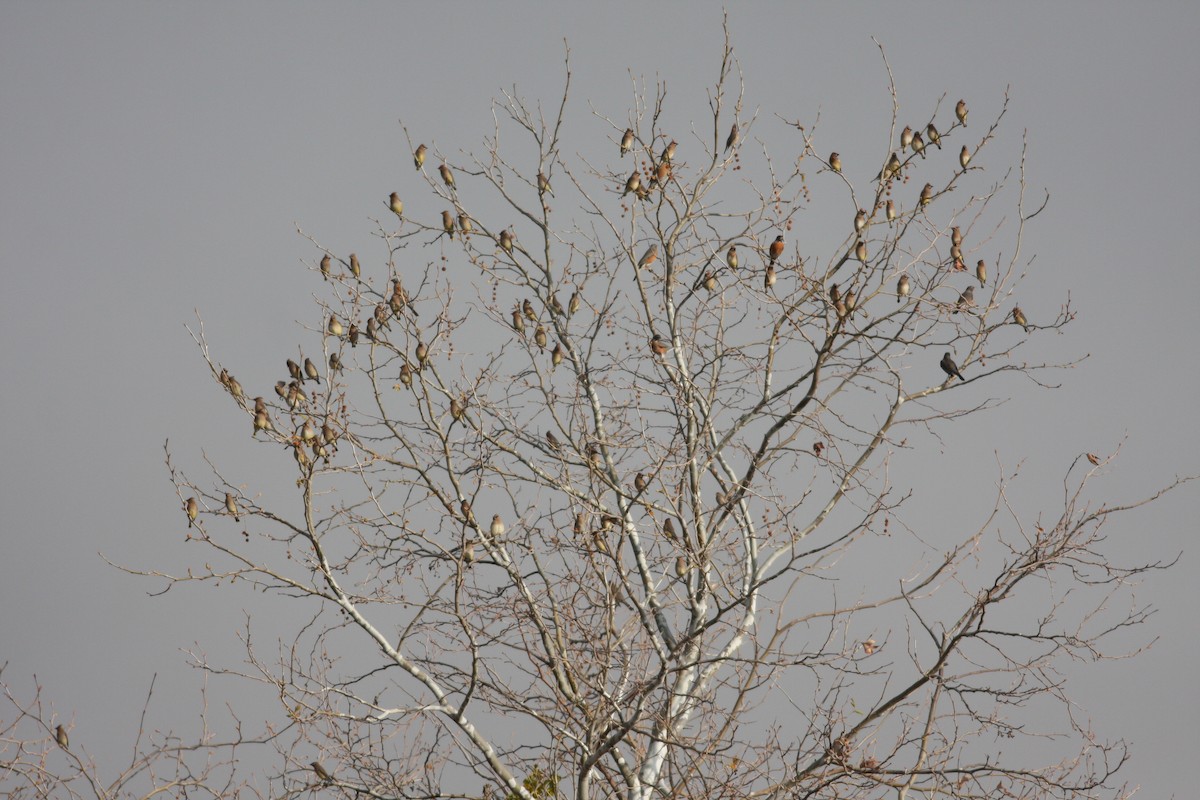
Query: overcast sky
column 157, row 158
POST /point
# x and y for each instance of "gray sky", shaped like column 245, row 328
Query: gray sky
column 157, row 158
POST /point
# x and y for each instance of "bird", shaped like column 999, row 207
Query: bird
column 640, row 482
column 60, row 735
column 464, row 223
column 406, row 375
column 372, row 329
column 552, row 441
column 850, row 300
column 731, row 257
column 902, row 288
column 231, row 507
column 448, row 223
column 906, row 137
column 891, row 169
column 355, row 269
column 964, row 157
column 648, row 257
column 1019, row 317
column 259, row 405
column 659, row 345
column 661, row 173
column 960, row 111
column 235, row 388
column 294, row 371
column 456, row 409
column 193, row 510
column 950, row 368
column 981, row 272
column 281, row 389
column 262, row 422
column 860, row 221
column 965, row 300
column 497, row 529
column 891, row 210
column 835, row 162
column 395, row 204
column 334, row 327
column 556, row 355
column 307, row 432
column 327, row 433
column 539, row 336
column 310, row 371
column 668, row 153
column 447, row 175
column 527, row 310
column 934, row 136
column 574, row 303
column 419, row 156
column 769, row 277
column 918, row 144
column 669, row 529
column 335, row 363
column 321, row 772
column 835, row 294
column 506, row 240
column 543, row 184
column 299, row 454
column 325, row 262
column 860, row 251
column 627, row 142
column 776, row 249
column 926, row 195
column 956, row 237
column 469, row 554
column 353, row 335
column 734, row 136
column 518, row 322
column 681, row 567
column 422, row 353
column 633, row 184
column 709, row 281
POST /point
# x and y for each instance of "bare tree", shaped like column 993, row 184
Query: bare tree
column 597, row 501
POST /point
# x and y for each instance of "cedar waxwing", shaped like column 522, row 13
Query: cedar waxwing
column 262, row 422
column 334, row 327
column 902, row 288
column 891, row 210
column 556, row 306
column 355, row 269
column 395, row 205
column 710, row 281
column 934, row 136
column 552, row 440
column 60, row 735
column 319, row 450
column 447, row 175
column 926, row 195
column 950, row 368
column 734, row 136
column 469, row 554
column 353, row 335
column 448, row 223
column 627, row 142
column 325, row 262
column 539, row 336
column 850, row 300
column 956, row 237
column 518, row 322
column 464, row 223
column 918, row 144
column 235, row 388
column 906, row 137
column 776, row 249
column 556, row 355
column 835, row 162
column 456, row 409
column 193, row 510
column 231, row 507
column 406, row 374
column 259, row 405
column 527, row 310
column 681, row 567
column 419, row 156
column 769, row 277
column 640, row 482
column 577, row 528
column 574, row 303
column 835, row 294
column 964, row 157
column 981, row 272
column 965, row 300
column 299, row 454
column 497, row 529
column 860, row 251
column 659, row 345
column 839, row 308
column 422, row 353
column 669, row 529
column 506, row 240
column 372, row 329
column 633, row 184
column 307, row 431
column 668, row 153
column 860, row 221
column 294, row 370
column 891, row 169
column 543, row 184
column 731, row 257
column 1019, row 317
column 648, row 257
column 321, row 772
column 281, row 389
column 335, row 363
column 960, row 111
column 310, row 371
column 661, row 173
column 295, row 396
column 328, row 436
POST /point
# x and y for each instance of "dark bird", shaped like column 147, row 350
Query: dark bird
column 321, row 772
column 926, row 195
column 633, row 184
column 776, row 249
column 552, row 441
column 950, row 368
column 448, row 223
column 964, row 157
column 325, row 262
column 60, row 735
column 934, row 136
column 981, row 272
column 395, row 204
column 193, row 510
column 731, row 257
column 960, row 111
column 355, row 269
column 310, row 371
column 294, row 370
column 734, row 136
column 627, row 142
column 835, row 162
column 543, row 184
column 447, row 175
column 902, row 287
column 668, row 153
column 965, row 300
column 659, row 345
column 648, row 257
column 334, row 327
column 419, row 156
column 231, row 507
column 1019, row 317
column 906, row 137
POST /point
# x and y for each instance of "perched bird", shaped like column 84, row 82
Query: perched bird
column 310, row 371
column 668, row 153
column 835, row 162
column 669, row 529
column 543, row 184
column 1019, row 317
column 835, row 294
column 259, row 405
column 891, row 210
column 353, row 336
column 659, row 345
column 355, row 269
column 627, row 142
column 731, row 257
column 469, row 554
column 934, row 136
column 965, row 300
column 860, row 221
column 334, row 327
column 299, row 454
column 406, row 375
column 640, row 482
column 681, row 567
column 518, row 322
column 396, row 205
column 891, row 169
column 281, row 389
column 235, row 388
column 539, row 336
column 556, row 355
column 422, row 353
column 325, row 262
column 902, row 288
column 648, row 257
column 456, row 409
column 527, row 310
column 294, row 371
column 60, row 736
column 327, row 433
column 193, row 510
column 497, row 529
column 447, row 175
column 335, row 362
column 850, row 300
column 574, row 303
column 373, row 329
column 950, row 368
column 776, row 249
column 506, row 240
column 633, row 184
column 918, row 144
column 321, row 772
column 464, row 223
column 926, row 195
column 552, row 441
column 964, row 157
column 734, row 136
column 769, row 277
column 419, row 156
column 231, row 507
column 906, row 137
column 262, row 422
column 860, row 251
column 307, row 432
column 709, row 281
column 981, row 272
column 448, row 223
column 960, row 111
column 661, row 173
